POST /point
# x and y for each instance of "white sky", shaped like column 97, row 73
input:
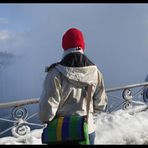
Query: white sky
column 116, row 37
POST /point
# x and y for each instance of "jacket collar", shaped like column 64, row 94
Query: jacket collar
column 72, row 50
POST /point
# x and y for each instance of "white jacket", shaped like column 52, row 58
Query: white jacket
column 64, row 91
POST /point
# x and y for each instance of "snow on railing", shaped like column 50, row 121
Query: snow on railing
column 124, row 98
column 19, row 115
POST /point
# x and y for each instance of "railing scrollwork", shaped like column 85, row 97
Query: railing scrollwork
column 127, row 94
column 20, row 126
column 19, row 117
column 145, row 94
column 124, row 96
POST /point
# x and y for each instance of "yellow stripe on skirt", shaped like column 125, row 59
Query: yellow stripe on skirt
column 59, row 129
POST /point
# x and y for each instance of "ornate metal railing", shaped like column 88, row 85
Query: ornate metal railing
column 19, row 117
column 125, row 97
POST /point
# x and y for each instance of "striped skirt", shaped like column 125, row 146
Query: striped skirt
column 68, row 129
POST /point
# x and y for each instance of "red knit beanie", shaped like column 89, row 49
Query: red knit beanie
column 73, row 38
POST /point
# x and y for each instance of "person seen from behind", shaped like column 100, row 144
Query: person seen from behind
column 63, row 92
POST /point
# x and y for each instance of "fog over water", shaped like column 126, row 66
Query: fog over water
column 116, row 39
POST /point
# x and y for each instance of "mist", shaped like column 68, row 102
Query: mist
column 116, row 38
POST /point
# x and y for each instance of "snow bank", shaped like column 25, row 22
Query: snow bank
column 120, row 127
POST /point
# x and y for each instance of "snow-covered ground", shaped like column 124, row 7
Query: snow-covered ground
column 120, row 127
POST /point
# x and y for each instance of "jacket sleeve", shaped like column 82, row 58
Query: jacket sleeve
column 100, row 99
column 50, row 96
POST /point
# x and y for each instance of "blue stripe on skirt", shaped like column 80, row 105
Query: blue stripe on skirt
column 65, row 128
column 79, row 127
column 45, row 135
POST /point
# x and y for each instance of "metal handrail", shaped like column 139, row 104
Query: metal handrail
column 19, row 103
column 36, row 100
column 126, row 86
